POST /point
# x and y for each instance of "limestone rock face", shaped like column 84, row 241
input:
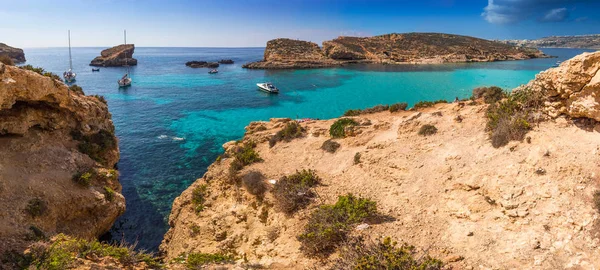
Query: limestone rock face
column 15, row 54
column 284, row 53
column 48, row 135
column 116, row 56
column 573, row 88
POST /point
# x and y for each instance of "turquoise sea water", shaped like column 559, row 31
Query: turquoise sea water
column 172, row 121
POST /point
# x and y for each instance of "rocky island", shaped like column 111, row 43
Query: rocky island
column 500, row 181
column 15, row 54
column 410, row 48
column 57, row 161
column 202, row 64
column 116, row 56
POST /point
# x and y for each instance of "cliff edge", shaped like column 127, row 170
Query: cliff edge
column 116, row 56
column 57, row 158
column 15, row 54
column 432, row 172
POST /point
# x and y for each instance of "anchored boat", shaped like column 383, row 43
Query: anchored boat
column 125, row 80
column 69, row 75
column 268, row 87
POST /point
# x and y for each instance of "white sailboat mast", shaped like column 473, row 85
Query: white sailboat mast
column 70, row 61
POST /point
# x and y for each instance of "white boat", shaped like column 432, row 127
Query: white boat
column 213, row 71
column 125, row 80
column 69, row 75
column 267, row 87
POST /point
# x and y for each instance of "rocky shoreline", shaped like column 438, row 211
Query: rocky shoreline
column 410, row 48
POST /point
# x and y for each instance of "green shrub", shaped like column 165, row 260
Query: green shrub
column 197, row 260
column 246, row 155
column 357, row 254
column 291, row 131
column 4, row 59
column 12, row 259
column 337, row 130
column 100, row 98
column 109, row 194
column 427, row 130
column 62, row 253
column 97, row 145
column 36, row 234
column 427, row 104
column 356, row 158
column 253, row 182
column 199, row 195
column 596, row 200
column 398, row 107
column 41, row 71
column 294, row 192
column 489, row 94
column 36, row 207
column 76, row 89
column 329, row 225
column 330, row 146
column 352, row 112
column 375, row 109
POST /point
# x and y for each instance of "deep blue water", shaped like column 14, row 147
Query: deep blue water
column 172, row 121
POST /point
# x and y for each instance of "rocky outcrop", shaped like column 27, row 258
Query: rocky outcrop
column 15, row 54
column 202, row 64
column 57, row 157
column 525, row 206
column 226, row 61
column 116, row 56
column 573, row 88
column 410, row 48
column 284, row 53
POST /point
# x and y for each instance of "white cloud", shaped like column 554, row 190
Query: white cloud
column 513, row 11
column 556, row 15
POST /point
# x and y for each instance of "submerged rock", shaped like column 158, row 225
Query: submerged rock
column 116, row 56
column 202, row 64
column 57, row 157
column 15, row 54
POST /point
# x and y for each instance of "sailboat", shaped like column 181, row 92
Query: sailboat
column 125, row 80
column 69, row 75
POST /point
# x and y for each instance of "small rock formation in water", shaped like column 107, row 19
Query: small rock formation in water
column 57, row 157
column 202, row 64
column 530, row 204
column 15, row 54
column 225, row 61
column 411, row 48
column 116, row 56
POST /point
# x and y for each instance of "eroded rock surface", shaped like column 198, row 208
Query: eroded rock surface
column 57, row 158
column 15, row 54
column 285, row 53
column 116, row 56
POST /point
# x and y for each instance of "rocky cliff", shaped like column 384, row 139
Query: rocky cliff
column 15, row 54
column 116, row 56
column 57, row 157
column 411, row 48
column 527, row 205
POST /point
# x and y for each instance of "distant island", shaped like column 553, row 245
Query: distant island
column 579, row 42
column 117, row 56
column 409, row 48
column 15, row 54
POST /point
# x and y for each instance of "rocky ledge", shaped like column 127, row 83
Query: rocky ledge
column 116, row 56
column 410, row 48
column 57, row 157
column 15, row 54
column 532, row 204
column 202, row 64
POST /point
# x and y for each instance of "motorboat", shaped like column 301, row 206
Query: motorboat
column 267, row 87
column 69, row 75
column 213, row 71
column 95, row 69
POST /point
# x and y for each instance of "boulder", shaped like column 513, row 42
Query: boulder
column 116, row 56
column 15, row 54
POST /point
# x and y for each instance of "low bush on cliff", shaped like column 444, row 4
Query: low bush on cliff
column 398, row 107
column 76, row 89
column 294, row 192
column 199, row 195
column 84, row 178
column 41, row 71
column 337, row 129
column 97, row 145
column 358, row 254
column 511, row 118
column 198, row 260
column 36, row 207
column 109, row 193
column 4, row 59
column 291, row 131
column 378, row 108
column 330, row 146
column 427, row 104
column 357, row 158
column 329, row 225
column 246, row 154
column 427, row 130
column 254, row 183
column 62, row 252
column 489, row 94
column 596, row 200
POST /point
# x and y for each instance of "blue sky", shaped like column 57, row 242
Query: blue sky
column 251, row 23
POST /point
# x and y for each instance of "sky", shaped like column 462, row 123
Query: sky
column 251, row 23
